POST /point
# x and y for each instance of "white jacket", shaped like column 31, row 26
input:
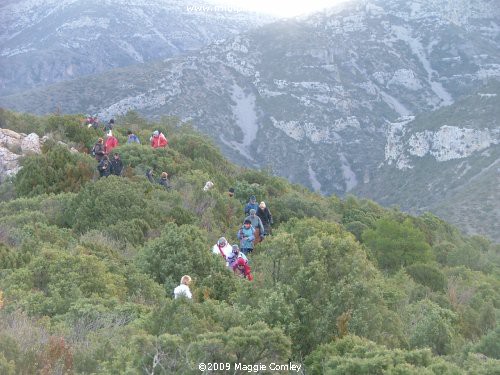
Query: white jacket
column 227, row 250
column 182, row 291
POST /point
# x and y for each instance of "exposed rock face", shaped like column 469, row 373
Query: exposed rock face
column 12, row 146
column 9, row 138
column 447, row 143
column 9, row 163
column 450, row 142
column 31, row 144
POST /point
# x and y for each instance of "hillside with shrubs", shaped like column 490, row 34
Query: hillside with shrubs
column 343, row 286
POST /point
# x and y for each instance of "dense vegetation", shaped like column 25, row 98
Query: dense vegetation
column 344, row 286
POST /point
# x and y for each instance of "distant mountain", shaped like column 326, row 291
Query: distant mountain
column 358, row 98
column 47, row 41
column 446, row 162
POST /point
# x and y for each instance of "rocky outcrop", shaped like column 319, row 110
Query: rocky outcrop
column 31, row 144
column 11, row 139
column 12, row 147
column 451, row 142
column 9, row 163
column 446, row 143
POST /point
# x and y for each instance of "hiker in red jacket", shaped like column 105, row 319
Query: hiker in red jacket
column 242, row 269
column 158, row 140
column 111, row 143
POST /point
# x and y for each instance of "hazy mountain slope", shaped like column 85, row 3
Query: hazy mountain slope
column 43, row 42
column 318, row 100
column 446, row 162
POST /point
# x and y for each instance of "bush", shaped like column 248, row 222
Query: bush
column 428, row 275
column 397, row 244
column 355, row 355
column 357, row 228
column 140, row 158
column 296, row 205
column 180, row 250
column 489, row 344
column 73, row 130
column 22, row 122
column 109, row 200
column 428, row 325
column 56, row 171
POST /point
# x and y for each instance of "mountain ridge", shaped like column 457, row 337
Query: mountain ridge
column 43, row 42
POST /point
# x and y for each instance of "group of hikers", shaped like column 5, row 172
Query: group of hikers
column 102, row 151
column 256, row 225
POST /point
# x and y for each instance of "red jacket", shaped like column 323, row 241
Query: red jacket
column 111, row 143
column 243, row 271
column 159, row 141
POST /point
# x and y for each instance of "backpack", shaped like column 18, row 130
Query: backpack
column 104, row 165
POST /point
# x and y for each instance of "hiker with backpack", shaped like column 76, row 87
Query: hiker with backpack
column 266, row 217
column 149, row 175
column 252, row 204
column 163, row 181
column 104, row 167
column 109, row 126
column 246, row 235
column 208, row 185
column 98, row 150
column 234, row 256
column 92, row 122
column 242, row 269
column 257, row 225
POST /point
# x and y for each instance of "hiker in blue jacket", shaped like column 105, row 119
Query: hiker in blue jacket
column 132, row 138
column 252, row 204
column 246, row 235
column 257, row 225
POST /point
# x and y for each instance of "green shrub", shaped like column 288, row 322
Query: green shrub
column 56, row 171
column 428, row 325
column 357, row 228
column 129, row 231
column 22, row 122
column 44, row 292
column 296, row 205
column 397, row 244
column 109, row 200
column 489, row 344
column 180, row 250
column 428, row 275
column 74, row 130
column 6, row 367
column 140, row 158
column 355, row 355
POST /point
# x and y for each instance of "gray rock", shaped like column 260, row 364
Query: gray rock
column 31, row 144
column 11, row 139
column 9, row 164
column 12, row 147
